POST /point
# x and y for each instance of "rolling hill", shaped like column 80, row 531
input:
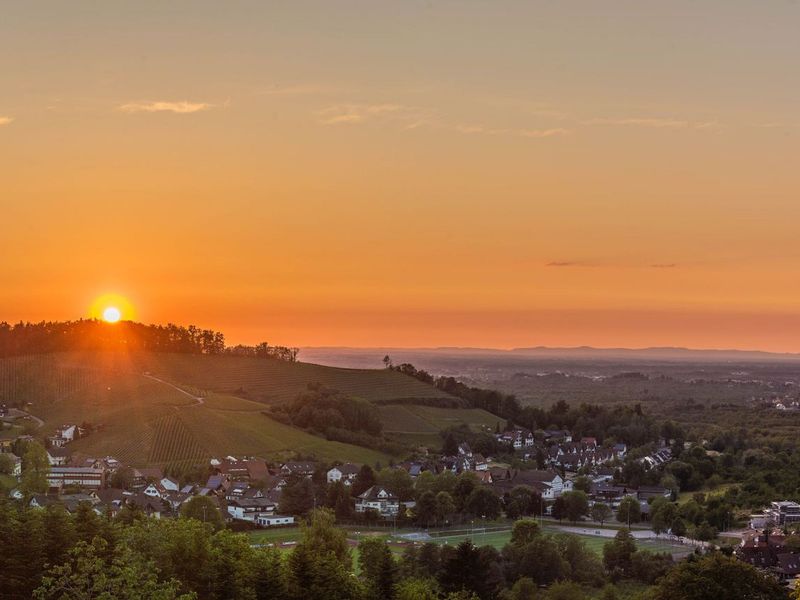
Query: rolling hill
column 156, row 409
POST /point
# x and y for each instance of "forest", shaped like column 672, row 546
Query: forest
column 129, row 557
column 91, row 334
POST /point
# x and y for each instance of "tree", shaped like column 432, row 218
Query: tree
column 297, row 496
column 565, row 590
column 678, row 527
column 6, row 464
column 576, row 505
column 269, row 579
column 617, row 553
column 601, row 512
column 525, row 588
column 582, row 483
column 483, row 502
column 203, row 509
column 425, row 510
column 87, row 574
column 417, row 589
column 449, row 445
column 387, row 362
column 378, row 568
column 339, row 500
column 463, row 569
column 524, row 532
column 364, row 480
column 662, row 514
column 35, row 468
column 717, row 576
column 629, row 511
column 444, row 506
column 558, row 509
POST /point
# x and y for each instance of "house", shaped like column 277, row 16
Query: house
column 218, row 483
column 345, row 473
column 67, row 432
column 480, row 463
column 142, row 476
column 784, row 512
column 302, row 468
column 273, row 520
column 83, row 477
column 153, row 490
column 169, row 484
column 249, row 509
column 464, row 450
column 150, row 506
column 57, row 456
column 548, row 484
column 379, row 499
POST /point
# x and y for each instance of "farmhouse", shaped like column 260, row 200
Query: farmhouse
column 380, row 500
column 250, row 509
column 345, row 473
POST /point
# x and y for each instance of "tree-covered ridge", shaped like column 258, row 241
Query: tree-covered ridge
column 90, row 334
column 50, row 554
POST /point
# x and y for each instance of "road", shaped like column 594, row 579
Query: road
column 198, row 399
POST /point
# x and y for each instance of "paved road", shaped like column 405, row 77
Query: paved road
column 198, row 399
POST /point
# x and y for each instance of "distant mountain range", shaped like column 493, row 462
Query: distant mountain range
column 543, row 352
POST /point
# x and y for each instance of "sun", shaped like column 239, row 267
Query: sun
column 111, row 314
column 112, row 308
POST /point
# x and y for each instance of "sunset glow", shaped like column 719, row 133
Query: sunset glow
column 477, row 174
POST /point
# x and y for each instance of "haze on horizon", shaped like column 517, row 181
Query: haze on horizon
column 487, row 174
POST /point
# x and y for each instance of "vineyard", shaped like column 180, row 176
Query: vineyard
column 172, row 441
column 142, row 421
column 278, row 381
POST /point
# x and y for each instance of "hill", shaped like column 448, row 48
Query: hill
column 157, row 408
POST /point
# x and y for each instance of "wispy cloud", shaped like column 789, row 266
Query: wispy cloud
column 564, row 263
column 303, row 89
column 664, row 266
column 529, row 133
column 5, row 120
column 361, row 113
column 183, row 107
column 658, row 123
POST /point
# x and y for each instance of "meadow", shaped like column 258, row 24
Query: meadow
column 158, row 409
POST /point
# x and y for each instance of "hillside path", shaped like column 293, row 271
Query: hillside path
column 199, row 400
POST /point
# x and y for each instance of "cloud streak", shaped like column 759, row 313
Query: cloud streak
column 182, row 108
column 653, row 122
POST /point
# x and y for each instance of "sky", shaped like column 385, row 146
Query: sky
column 407, row 173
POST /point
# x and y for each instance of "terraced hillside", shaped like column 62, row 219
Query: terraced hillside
column 420, row 425
column 161, row 408
column 277, row 381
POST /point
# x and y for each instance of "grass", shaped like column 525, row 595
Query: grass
column 276, row 381
column 146, row 422
column 499, row 538
column 418, row 425
column 719, row 490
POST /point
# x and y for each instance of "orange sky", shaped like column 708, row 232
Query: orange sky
column 408, row 173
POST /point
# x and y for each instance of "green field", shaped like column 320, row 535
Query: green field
column 144, row 421
column 420, row 425
column 157, row 409
column 499, row 538
column 277, row 381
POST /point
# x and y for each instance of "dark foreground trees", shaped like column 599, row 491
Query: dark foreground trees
column 717, row 576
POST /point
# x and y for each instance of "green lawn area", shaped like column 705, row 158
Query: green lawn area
column 719, row 490
column 499, row 538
